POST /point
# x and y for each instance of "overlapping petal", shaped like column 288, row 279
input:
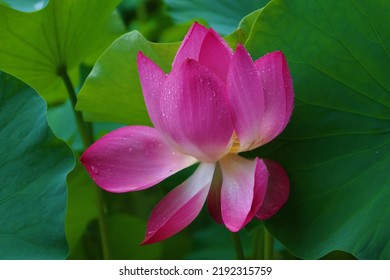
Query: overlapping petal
column 259, row 188
column 180, row 206
column 278, row 93
column 132, row 158
column 152, row 79
column 191, row 45
column 277, row 191
column 246, row 99
column 195, row 113
column 215, row 54
column 214, row 196
column 211, row 106
column 242, row 191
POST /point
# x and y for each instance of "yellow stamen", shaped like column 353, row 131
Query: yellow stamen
column 236, row 144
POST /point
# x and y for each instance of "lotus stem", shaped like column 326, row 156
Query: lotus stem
column 238, row 246
column 87, row 139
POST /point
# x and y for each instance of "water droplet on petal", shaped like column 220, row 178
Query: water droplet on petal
column 94, row 169
column 147, row 153
column 130, row 149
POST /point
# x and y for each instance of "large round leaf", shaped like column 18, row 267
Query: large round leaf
column 222, row 15
column 112, row 92
column 36, row 46
column 336, row 149
column 242, row 32
column 33, row 169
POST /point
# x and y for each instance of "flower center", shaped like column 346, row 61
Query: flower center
column 236, row 144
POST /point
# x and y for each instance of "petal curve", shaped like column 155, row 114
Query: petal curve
column 152, row 78
column 238, row 201
column 259, row 190
column 195, row 112
column 278, row 93
column 246, row 99
column 180, row 206
column 215, row 54
column 277, row 191
column 132, row 158
column 190, row 47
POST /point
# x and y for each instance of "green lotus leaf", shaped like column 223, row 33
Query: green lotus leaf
column 222, row 15
column 36, row 47
column 336, row 149
column 33, row 169
column 112, row 92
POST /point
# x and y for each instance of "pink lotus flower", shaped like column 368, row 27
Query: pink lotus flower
column 213, row 105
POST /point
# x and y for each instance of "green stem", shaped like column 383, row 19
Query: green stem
column 238, row 246
column 87, row 138
column 103, row 224
column 268, row 245
column 258, row 244
column 82, row 126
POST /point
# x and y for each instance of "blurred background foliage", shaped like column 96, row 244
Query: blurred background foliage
column 167, row 21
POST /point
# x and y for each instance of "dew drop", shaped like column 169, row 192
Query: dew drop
column 147, row 153
column 39, row 5
column 94, row 169
column 130, row 149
